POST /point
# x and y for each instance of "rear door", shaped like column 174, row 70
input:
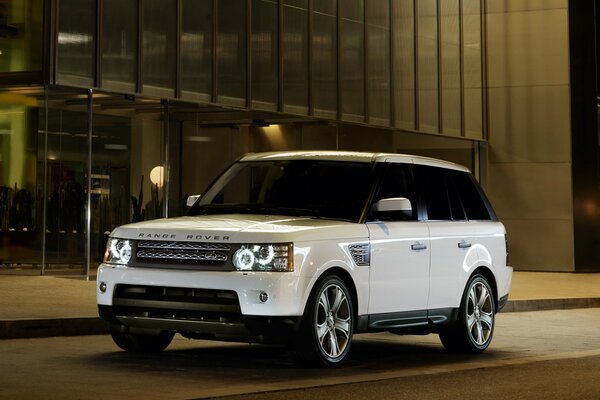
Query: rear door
column 455, row 237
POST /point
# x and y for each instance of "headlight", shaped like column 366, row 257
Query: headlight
column 264, row 257
column 118, row 251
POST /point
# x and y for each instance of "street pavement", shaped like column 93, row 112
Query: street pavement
column 542, row 354
column 55, row 347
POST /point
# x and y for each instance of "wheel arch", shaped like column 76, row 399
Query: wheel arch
column 345, row 277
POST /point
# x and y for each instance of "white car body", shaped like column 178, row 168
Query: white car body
column 398, row 286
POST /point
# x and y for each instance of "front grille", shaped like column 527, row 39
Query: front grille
column 174, row 303
column 188, row 253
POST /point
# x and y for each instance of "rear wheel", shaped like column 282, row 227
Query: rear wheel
column 473, row 330
column 328, row 323
column 141, row 343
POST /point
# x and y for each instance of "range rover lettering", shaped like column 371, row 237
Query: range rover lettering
column 308, row 248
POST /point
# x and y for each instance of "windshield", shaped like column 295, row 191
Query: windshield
column 316, row 188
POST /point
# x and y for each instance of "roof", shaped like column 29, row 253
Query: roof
column 353, row 156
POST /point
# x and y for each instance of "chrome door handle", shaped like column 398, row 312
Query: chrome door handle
column 418, row 246
column 464, row 244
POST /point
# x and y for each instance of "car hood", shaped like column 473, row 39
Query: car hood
column 240, row 228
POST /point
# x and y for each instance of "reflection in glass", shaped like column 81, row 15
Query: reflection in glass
column 21, row 38
column 450, row 53
column 264, row 54
column 76, row 41
column 119, row 44
column 196, row 48
column 231, row 52
column 158, row 63
column 352, row 9
column 324, row 65
column 66, row 182
column 206, row 152
column 325, row 7
column 295, row 60
column 428, row 65
column 404, row 63
column 378, row 59
column 472, row 73
column 352, row 70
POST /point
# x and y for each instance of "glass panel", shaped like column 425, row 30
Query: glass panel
column 76, row 42
column 472, row 68
column 325, row 7
column 324, row 65
column 451, row 110
column 231, row 52
column 196, row 49
column 21, row 37
column 404, row 63
column 428, row 65
column 296, row 3
column 66, row 195
column 352, row 9
column 20, row 198
column 119, row 42
column 206, row 152
column 352, row 70
column 158, row 48
column 264, row 54
column 295, row 60
column 378, row 59
column 127, row 184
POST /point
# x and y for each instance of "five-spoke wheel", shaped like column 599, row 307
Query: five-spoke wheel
column 328, row 322
column 474, row 327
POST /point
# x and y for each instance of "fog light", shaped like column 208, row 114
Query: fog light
column 102, row 287
column 263, row 297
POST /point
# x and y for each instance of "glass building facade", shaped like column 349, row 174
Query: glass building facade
column 114, row 111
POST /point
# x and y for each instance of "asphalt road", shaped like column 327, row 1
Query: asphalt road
column 550, row 354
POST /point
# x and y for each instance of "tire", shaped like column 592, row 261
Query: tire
column 327, row 324
column 141, row 343
column 474, row 328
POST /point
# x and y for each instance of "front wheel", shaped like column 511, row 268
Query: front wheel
column 328, row 323
column 141, row 343
column 473, row 330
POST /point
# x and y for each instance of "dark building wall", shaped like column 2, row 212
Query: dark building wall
column 584, row 138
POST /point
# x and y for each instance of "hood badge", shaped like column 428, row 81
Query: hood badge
column 215, row 238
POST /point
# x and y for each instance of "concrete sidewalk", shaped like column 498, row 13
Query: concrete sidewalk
column 41, row 306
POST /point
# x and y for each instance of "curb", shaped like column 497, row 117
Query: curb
column 551, row 304
column 40, row 328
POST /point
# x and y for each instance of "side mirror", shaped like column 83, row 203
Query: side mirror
column 192, row 199
column 400, row 205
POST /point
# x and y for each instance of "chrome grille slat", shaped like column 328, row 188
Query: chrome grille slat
column 166, row 255
column 182, row 253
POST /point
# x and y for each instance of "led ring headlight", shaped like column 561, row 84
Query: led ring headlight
column 264, row 257
column 118, row 251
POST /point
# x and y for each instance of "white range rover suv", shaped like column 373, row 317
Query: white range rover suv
column 307, row 248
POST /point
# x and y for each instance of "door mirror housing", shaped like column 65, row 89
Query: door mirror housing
column 393, row 206
column 192, row 199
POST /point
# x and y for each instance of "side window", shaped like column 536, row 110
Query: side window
column 456, row 206
column 434, row 191
column 470, row 195
column 397, row 182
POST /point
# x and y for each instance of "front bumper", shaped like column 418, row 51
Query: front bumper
column 201, row 302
